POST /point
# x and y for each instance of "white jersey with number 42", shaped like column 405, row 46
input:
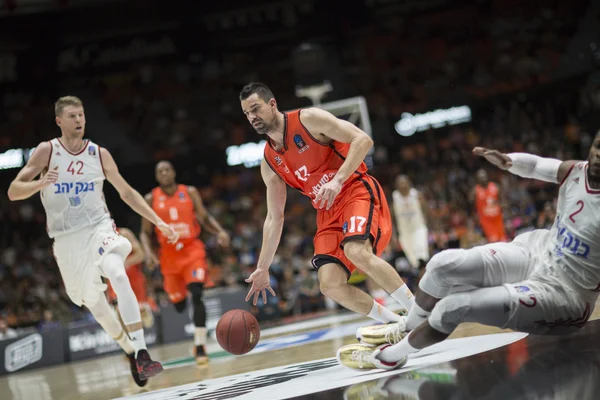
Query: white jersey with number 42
column 76, row 200
column 574, row 245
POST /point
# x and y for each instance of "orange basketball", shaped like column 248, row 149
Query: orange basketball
column 238, row 332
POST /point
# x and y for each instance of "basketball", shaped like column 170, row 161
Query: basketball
column 238, row 332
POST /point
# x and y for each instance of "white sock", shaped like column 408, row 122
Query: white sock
column 398, row 351
column 199, row 336
column 416, row 315
column 125, row 343
column 404, row 296
column 138, row 341
column 382, row 314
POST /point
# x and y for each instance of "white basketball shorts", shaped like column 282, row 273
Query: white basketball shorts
column 79, row 255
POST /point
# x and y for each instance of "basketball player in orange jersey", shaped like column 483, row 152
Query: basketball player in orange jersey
column 322, row 156
column 133, row 265
column 487, row 198
column 183, row 265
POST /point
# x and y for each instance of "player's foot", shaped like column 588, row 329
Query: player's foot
column 375, row 335
column 201, row 356
column 147, row 316
column 360, row 356
column 134, row 370
column 146, row 367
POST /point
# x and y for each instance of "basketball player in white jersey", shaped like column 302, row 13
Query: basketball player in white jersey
column 410, row 210
column 543, row 282
column 86, row 244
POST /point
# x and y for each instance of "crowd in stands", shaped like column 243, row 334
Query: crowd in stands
column 173, row 108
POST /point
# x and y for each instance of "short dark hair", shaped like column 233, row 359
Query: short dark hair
column 259, row 88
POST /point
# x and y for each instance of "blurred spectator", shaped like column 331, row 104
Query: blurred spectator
column 6, row 332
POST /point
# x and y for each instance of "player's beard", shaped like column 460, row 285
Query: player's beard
column 266, row 126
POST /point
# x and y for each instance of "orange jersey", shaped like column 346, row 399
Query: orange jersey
column 305, row 163
column 178, row 211
column 487, row 201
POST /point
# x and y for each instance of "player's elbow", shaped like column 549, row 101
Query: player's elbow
column 12, row 193
column 365, row 141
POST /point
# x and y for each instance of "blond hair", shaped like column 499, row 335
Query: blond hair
column 66, row 101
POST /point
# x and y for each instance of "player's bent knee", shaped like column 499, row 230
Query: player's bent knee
column 436, row 280
column 331, row 289
column 450, row 312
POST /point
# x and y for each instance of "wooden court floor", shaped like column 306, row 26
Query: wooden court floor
column 108, row 376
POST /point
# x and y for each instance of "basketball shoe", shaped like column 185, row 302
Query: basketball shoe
column 201, row 356
column 146, row 367
column 361, row 356
column 375, row 335
column 134, row 370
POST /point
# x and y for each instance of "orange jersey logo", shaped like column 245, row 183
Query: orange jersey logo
column 487, row 200
column 305, row 163
column 178, row 211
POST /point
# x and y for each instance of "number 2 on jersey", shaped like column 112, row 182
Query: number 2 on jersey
column 71, row 168
column 580, row 204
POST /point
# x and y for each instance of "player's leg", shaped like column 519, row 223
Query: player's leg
column 194, row 275
column 199, row 316
column 367, row 229
column 486, row 306
column 334, row 271
column 458, row 270
column 532, row 306
column 113, row 267
column 108, row 320
column 333, row 281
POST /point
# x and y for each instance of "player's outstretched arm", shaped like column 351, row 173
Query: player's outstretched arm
column 325, row 127
column 137, row 253
column 146, row 233
column 132, row 197
column 23, row 186
column 273, row 226
column 207, row 220
column 528, row 165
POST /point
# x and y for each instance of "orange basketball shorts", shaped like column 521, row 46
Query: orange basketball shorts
column 493, row 229
column 360, row 212
column 182, row 267
column 138, row 284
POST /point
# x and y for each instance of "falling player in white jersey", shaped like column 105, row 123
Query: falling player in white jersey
column 543, row 282
column 410, row 211
column 86, row 244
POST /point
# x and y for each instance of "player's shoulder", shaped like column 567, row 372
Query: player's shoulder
column 312, row 113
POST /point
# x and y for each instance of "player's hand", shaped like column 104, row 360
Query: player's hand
column 260, row 284
column 328, row 193
column 500, row 160
column 169, row 232
column 223, row 239
column 49, row 178
column 152, row 261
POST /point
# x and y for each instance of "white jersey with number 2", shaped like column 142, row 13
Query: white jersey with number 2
column 574, row 245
